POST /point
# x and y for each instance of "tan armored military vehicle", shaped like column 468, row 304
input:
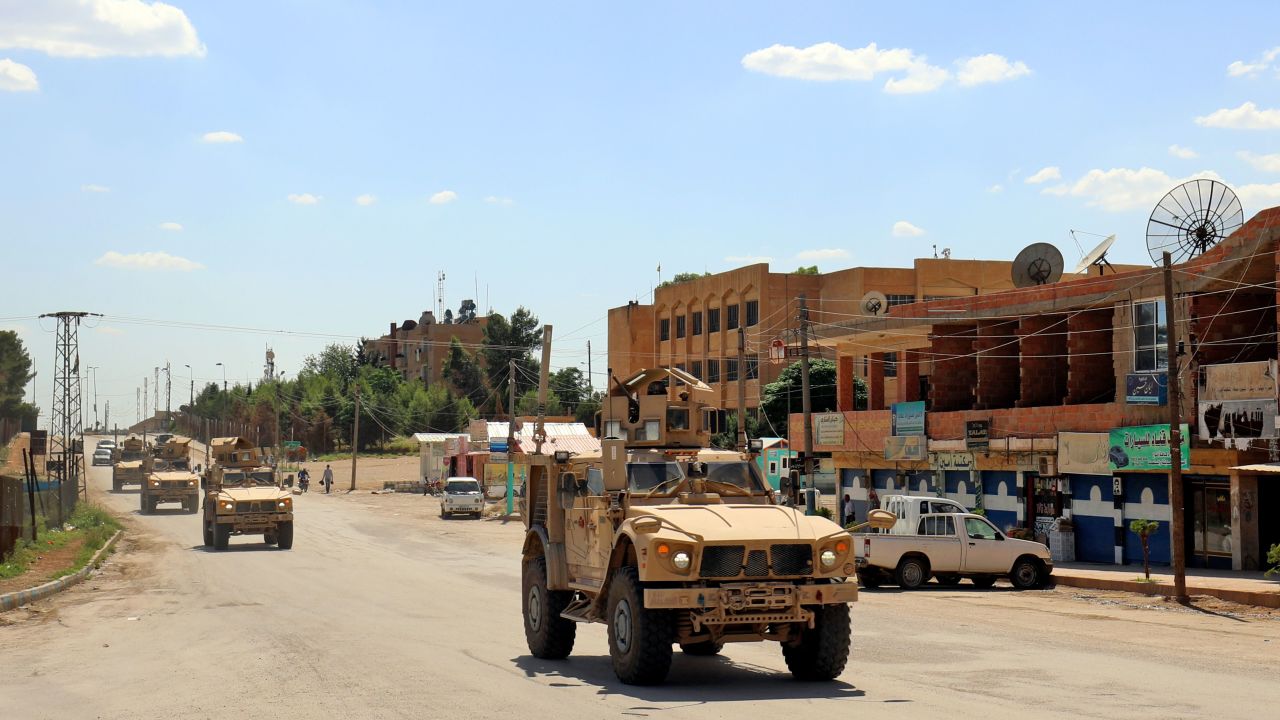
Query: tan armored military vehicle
column 244, row 497
column 134, row 464
column 667, row 542
column 170, row 486
column 174, row 454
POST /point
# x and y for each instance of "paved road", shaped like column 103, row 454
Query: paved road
column 382, row 610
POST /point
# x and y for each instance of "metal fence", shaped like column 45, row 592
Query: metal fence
column 54, row 502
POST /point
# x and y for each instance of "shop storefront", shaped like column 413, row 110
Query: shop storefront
column 1208, row 527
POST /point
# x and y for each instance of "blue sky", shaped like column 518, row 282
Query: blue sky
column 570, row 149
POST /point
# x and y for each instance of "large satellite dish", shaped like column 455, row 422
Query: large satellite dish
column 1037, row 264
column 1097, row 256
column 1192, row 218
column 874, row 303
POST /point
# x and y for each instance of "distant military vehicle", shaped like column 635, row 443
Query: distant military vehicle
column 242, row 496
column 133, row 465
column 180, row 486
column 669, row 542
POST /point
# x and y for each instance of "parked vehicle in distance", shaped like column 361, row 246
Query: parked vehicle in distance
column 950, row 546
column 102, row 456
column 909, row 509
column 109, row 444
column 461, row 495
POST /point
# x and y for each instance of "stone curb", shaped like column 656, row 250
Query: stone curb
column 15, row 600
column 1244, row 597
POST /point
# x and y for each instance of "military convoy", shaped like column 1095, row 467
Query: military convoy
column 133, row 464
column 180, row 486
column 243, row 496
column 668, row 542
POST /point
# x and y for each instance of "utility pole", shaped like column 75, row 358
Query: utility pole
column 191, row 404
column 544, row 377
column 146, row 401
column 1177, row 544
column 511, row 436
column 93, row 378
column 806, row 404
column 590, row 387
column 168, row 389
column 355, row 439
column 67, row 413
column 742, row 389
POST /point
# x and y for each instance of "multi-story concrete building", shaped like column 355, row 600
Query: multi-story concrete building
column 419, row 349
column 694, row 325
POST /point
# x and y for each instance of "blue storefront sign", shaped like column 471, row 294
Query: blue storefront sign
column 907, row 418
column 1146, row 389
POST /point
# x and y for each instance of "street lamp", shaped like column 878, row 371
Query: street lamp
column 93, row 372
column 224, row 376
column 192, row 377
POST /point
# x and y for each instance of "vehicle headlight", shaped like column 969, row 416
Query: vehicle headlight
column 191, row 483
column 828, row 558
column 681, row 560
column 228, row 506
column 155, row 483
column 283, row 504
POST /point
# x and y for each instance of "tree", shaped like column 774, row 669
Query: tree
column 570, row 384
column 1273, row 557
column 337, row 361
column 586, row 410
column 729, row 438
column 1144, row 529
column 684, row 277
column 783, row 396
column 506, row 340
column 810, row 270
column 527, row 404
column 15, row 373
column 463, row 372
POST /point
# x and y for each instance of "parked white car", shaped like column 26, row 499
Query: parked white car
column 950, row 546
column 462, row 495
column 102, row 456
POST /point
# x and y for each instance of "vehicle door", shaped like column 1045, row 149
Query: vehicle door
column 942, row 544
column 588, row 530
column 984, row 547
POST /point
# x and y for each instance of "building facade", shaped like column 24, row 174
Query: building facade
column 1048, row 406
column 418, row 349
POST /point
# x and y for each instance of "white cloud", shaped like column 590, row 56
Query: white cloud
column 366, row 200
column 1265, row 163
column 830, row 62
column 146, row 261
column 303, row 198
column 99, row 28
column 495, row 200
column 1245, row 117
column 1053, row 172
column 1121, row 189
column 1240, row 68
column 902, row 228
column 175, row 227
column 95, row 188
column 444, row 197
column 989, row 68
column 1183, row 152
column 221, row 136
column 822, row 254
column 921, row 78
column 16, row 77
column 997, row 188
column 748, row 259
column 1258, row 195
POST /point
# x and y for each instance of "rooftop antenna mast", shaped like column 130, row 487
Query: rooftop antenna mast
column 68, row 416
column 440, row 295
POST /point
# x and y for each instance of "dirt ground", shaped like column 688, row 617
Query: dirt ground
column 371, row 473
column 46, row 565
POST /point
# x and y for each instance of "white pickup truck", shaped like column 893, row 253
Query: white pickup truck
column 950, row 546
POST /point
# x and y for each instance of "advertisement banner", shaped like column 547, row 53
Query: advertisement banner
column 1240, row 381
column 905, row 447
column 1146, row 447
column 907, row 418
column 1237, row 419
column 828, row 429
column 1084, row 453
column 1146, row 389
column 977, row 435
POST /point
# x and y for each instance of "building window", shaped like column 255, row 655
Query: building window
column 1150, row 353
column 697, row 323
column 753, row 367
column 713, row 371
column 679, row 326
column 664, row 329
column 713, row 320
column 696, row 370
column 753, row 313
column 730, row 369
column 891, row 364
column 731, row 319
column 900, row 299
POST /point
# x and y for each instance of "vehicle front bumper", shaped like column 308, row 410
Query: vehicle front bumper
column 171, row 495
column 751, row 602
column 464, row 507
column 253, row 522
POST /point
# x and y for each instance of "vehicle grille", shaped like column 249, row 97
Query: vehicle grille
column 174, row 484
column 259, row 506
column 757, row 564
column 792, row 559
column 722, row 561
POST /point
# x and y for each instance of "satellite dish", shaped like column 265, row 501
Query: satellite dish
column 1037, row 264
column 1192, row 218
column 874, row 303
column 1097, row 256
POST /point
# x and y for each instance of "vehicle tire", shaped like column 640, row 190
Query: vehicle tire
column 116, row 485
column 208, row 533
column 270, row 538
column 1025, row 574
column 984, row 581
column 704, row 648
column 948, row 580
column 640, row 639
column 821, row 653
column 142, row 505
column 548, row 635
column 912, row 573
column 221, row 536
column 869, row 580
column 284, row 535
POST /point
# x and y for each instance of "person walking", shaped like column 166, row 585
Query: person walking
column 848, row 510
column 327, row 479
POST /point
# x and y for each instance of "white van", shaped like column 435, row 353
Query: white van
column 909, row 508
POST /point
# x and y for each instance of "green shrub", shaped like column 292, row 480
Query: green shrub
column 1273, row 558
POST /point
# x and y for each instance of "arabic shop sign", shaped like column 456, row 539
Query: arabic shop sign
column 977, row 435
column 1146, row 389
column 1146, row 448
column 907, row 418
column 952, row 460
column 828, row 429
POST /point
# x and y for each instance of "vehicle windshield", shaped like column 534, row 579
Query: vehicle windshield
column 259, row 477
column 131, row 455
column 462, row 486
column 741, row 475
column 654, row 477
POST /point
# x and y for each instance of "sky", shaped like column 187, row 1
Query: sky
column 217, row 177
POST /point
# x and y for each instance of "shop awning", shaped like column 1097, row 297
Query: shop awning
column 1259, row 469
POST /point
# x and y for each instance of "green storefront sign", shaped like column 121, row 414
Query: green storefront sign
column 1146, row 447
